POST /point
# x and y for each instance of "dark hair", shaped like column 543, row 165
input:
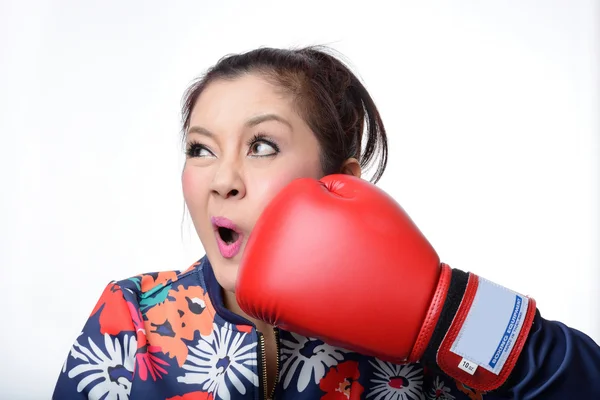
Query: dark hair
column 327, row 95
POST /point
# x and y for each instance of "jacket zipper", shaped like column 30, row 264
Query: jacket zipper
column 263, row 362
column 277, row 364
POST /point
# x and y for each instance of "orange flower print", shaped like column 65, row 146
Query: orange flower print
column 191, row 267
column 341, row 382
column 193, row 396
column 185, row 311
column 149, row 281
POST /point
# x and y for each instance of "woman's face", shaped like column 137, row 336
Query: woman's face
column 245, row 143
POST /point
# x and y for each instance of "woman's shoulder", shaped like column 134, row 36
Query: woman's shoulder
column 154, row 297
column 145, row 291
column 149, row 283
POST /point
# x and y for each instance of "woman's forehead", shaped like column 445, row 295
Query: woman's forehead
column 237, row 100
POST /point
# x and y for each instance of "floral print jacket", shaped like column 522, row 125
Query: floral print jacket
column 168, row 336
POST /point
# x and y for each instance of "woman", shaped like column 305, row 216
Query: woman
column 261, row 129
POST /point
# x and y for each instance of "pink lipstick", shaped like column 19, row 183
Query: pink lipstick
column 229, row 237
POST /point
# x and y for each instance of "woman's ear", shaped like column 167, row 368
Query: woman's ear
column 351, row 167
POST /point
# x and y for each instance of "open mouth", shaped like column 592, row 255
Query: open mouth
column 229, row 236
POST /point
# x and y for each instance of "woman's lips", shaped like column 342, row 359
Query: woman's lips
column 227, row 249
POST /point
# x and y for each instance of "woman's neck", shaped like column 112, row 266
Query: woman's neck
column 230, row 303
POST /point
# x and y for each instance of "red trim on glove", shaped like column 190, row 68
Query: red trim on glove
column 433, row 315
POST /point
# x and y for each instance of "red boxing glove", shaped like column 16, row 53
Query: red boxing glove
column 340, row 260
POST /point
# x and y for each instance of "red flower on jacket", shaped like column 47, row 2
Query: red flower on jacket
column 113, row 310
column 341, row 382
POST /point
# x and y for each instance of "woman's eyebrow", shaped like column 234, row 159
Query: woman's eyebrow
column 201, row 131
column 266, row 117
column 249, row 123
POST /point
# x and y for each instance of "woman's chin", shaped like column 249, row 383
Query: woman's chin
column 226, row 274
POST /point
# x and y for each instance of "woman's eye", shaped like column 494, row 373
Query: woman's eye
column 262, row 148
column 198, row 150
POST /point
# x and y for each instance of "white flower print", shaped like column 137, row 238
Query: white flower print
column 222, row 361
column 439, row 391
column 311, row 356
column 109, row 374
column 396, row 382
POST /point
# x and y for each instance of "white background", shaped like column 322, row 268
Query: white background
column 491, row 108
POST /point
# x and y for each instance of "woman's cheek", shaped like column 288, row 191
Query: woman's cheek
column 268, row 188
column 191, row 185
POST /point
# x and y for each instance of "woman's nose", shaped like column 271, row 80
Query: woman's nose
column 228, row 183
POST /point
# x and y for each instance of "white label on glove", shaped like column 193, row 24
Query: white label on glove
column 492, row 326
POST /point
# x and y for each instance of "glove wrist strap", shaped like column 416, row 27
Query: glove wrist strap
column 480, row 333
column 452, row 299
